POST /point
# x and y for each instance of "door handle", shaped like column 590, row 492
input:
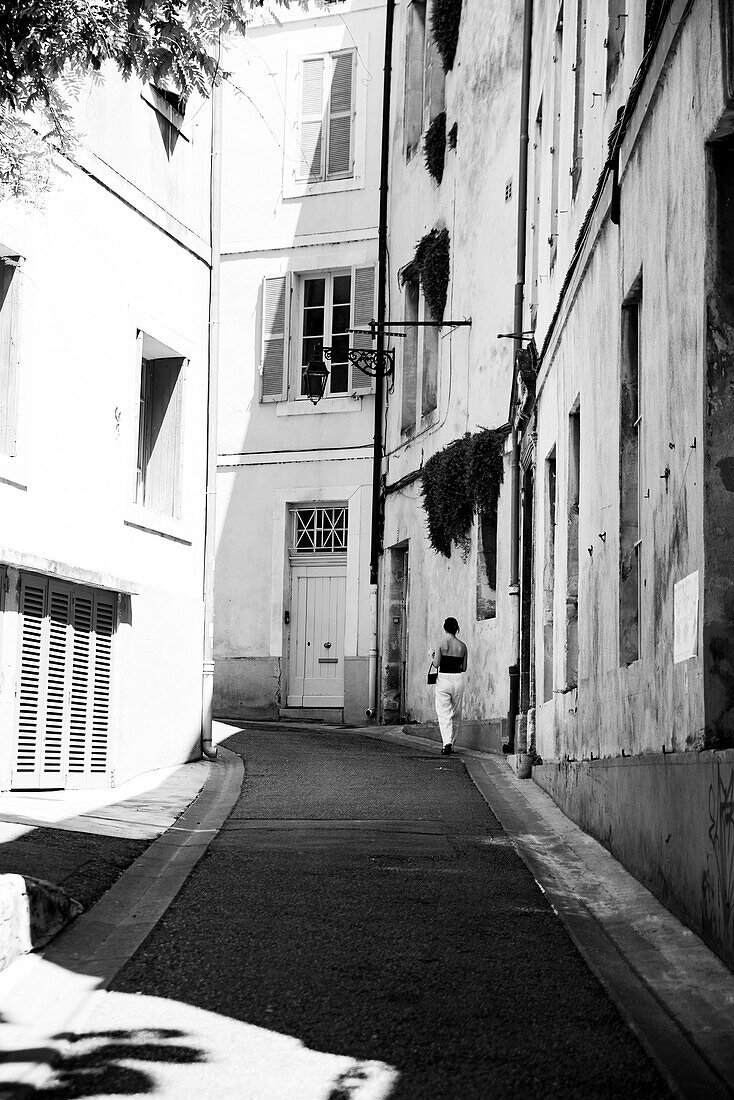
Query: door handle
column 327, row 645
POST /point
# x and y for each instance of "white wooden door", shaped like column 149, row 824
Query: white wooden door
column 316, row 666
column 64, row 686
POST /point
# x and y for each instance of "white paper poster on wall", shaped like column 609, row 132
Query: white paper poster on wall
column 685, row 618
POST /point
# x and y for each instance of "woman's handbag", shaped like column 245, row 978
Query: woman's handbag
column 432, row 674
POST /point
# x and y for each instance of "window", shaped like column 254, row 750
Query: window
column 549, row 574
column 630, row 430
column 425, row 81
column 158, row 483
column 536, row 226
column 326, row 117
column 326, row 307
column 579, row 93
column 556, row 139
column 615, row 39
column 572, row 549
column 9, row 302
column 487, row 564
column 429, row 385
column 409, row 372
column 320, row 530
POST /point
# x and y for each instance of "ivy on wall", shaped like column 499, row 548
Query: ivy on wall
column 459, row 481
column 453, row 135
column 445, row 19
column 434, row 146
column 432, row 263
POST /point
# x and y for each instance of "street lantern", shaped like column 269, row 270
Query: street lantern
column 315, row 376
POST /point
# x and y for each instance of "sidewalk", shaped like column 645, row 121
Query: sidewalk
column 674, row 993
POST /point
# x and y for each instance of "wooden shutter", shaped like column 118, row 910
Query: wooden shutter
column 311, row 118
column 80, row 707
column 164, row 429
column 31, row 688
column 9, row 309
column 340, row 117
column 57, row 673
column 363, row 313
column 101, row 680
column 274, row 385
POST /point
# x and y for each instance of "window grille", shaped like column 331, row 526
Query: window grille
column 320, row 530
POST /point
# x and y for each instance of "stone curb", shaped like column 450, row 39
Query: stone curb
column 41, row 995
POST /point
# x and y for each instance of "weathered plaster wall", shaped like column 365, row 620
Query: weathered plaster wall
column 662, row 237
column 482, row 98
column 669, row 819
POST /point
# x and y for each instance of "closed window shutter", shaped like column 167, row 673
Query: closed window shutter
column 80, row 717
column 275, row 326
column 340, row 116
column 59, row 606
column 311, row 119
column 101, row 677
column 9, row 305
column 31, row 690
column 363, row 313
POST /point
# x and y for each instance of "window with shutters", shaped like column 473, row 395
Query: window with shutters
column 9, row 303
column 327, row 306
column 158, row 482
column 64, row 684
column 425, row 80
column 326, row 117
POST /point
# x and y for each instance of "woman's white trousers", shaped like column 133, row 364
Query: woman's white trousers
column 449, row 693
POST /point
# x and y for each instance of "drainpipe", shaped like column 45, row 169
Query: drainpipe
column 376, row 535
column 517, row 327
column 207, row 679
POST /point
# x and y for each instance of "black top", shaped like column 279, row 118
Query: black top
column 451, row 664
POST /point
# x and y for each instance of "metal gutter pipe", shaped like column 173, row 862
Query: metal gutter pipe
column 517, row 328
column 376, row 534
column 208, row 749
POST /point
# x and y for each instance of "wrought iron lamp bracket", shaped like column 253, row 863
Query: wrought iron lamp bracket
column 370, row 362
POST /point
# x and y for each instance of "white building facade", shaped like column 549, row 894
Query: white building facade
column 103, row 384
column 299, row 253
column 454, row 379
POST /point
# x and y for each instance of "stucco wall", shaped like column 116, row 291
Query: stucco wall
column 95, row 271
column 482, row 98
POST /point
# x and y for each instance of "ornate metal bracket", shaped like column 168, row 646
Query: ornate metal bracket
column 370, row 362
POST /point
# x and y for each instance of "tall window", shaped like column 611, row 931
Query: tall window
column 9, row 301
column 332, row 304
column 579, row 94
column 415, row 60
column 536, row 226
column 409, row 372
column 487, row 564
column 549, row 574
column 615, row 39
column 556, row 123
column 429, row 386
column 326, row 117
column 572, row 549
column 630, row 431
column 158, row 484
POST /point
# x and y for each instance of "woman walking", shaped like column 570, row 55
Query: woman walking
column 449, row 657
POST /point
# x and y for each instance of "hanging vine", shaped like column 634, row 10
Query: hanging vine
column 432, row 262
column 445, row 20
column 434, row 146
column 462, row 479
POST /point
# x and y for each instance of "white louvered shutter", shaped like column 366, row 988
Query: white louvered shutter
column 340, row 116
column 363, row 313
column 80, row 706
column 31, row 688
column 9, row 305
column 101, row 678
column 275, row 339
column 311, row 119
column 55, row 731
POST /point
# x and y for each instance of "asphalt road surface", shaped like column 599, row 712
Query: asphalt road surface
column 361, row 903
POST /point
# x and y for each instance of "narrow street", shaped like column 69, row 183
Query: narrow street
column 361, row 900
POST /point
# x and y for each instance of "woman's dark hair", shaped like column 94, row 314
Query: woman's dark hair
column 451, row 626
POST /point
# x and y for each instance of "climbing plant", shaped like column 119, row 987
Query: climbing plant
column 433, row 264
column 445, row 19
column 434, row 146
column 462, row 479
column 453, row 135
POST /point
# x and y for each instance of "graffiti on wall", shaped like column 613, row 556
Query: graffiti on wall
column 718, row 878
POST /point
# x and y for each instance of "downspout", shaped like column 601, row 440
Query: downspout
column 376, row 534
column 207, row 679
column 517, row 328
